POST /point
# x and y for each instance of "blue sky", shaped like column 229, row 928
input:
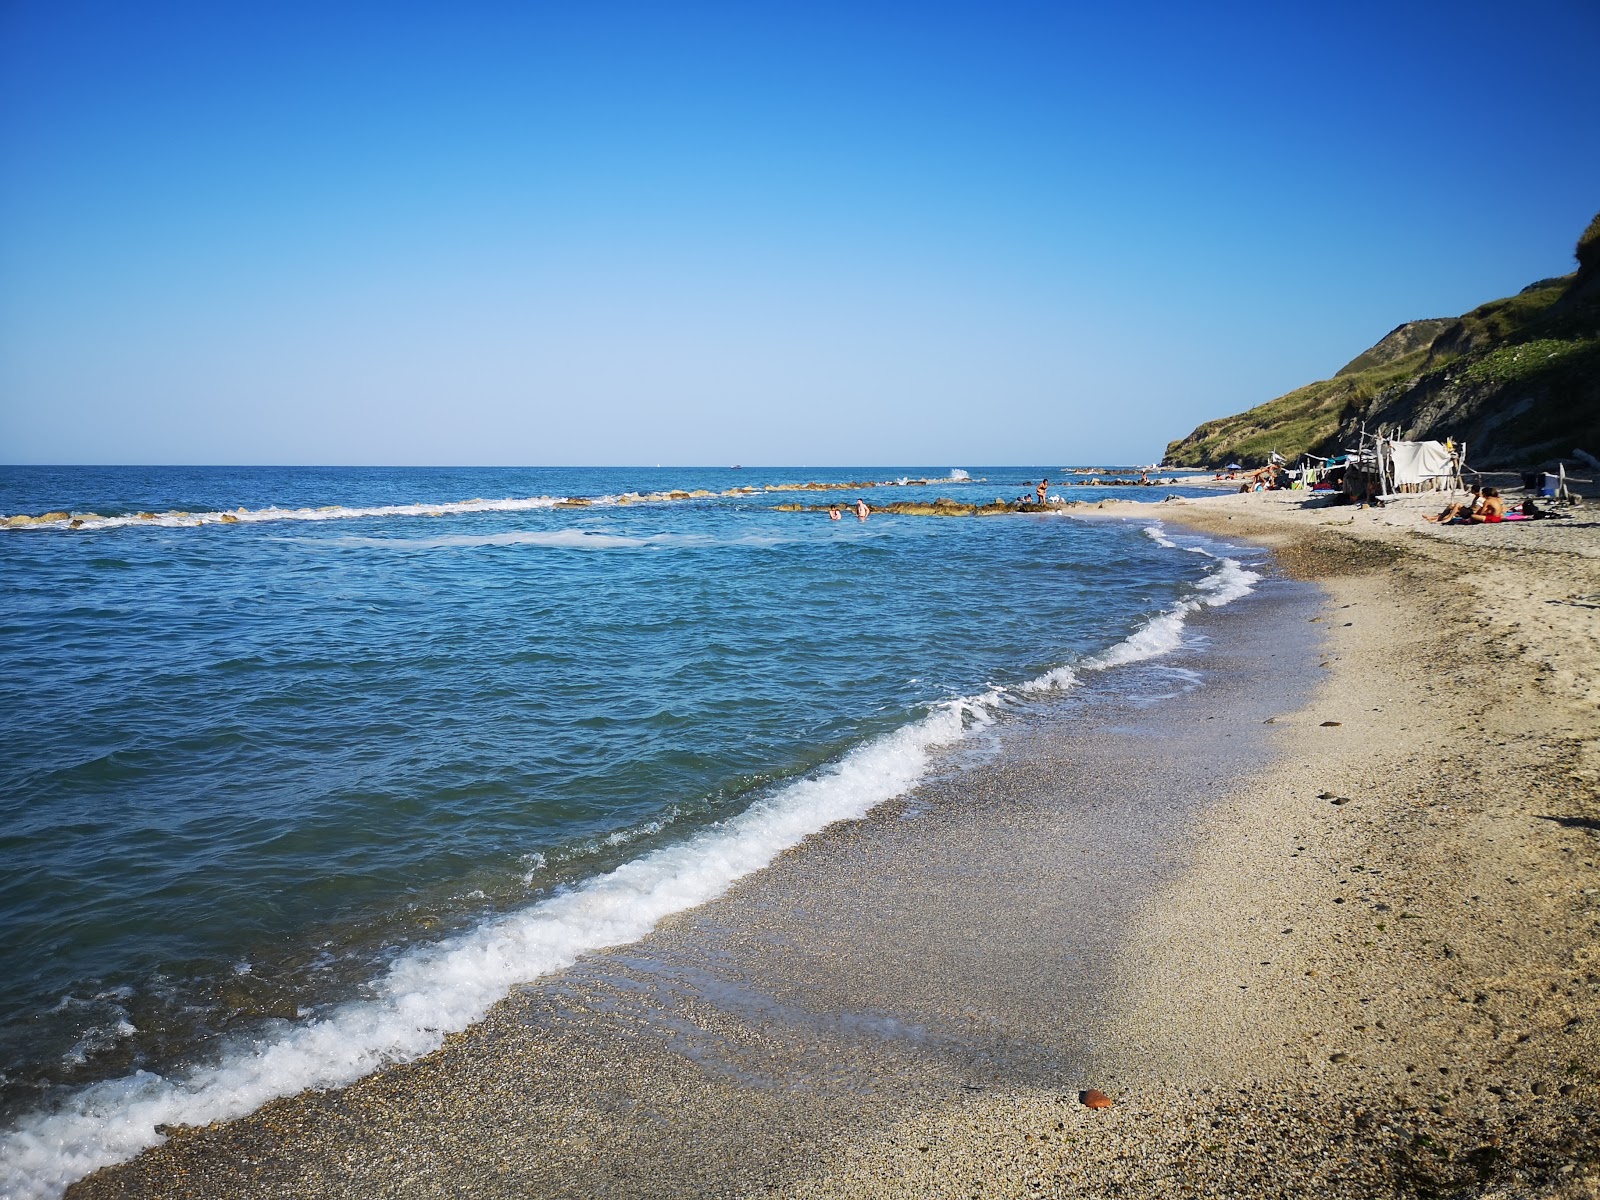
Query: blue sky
column 701, row 234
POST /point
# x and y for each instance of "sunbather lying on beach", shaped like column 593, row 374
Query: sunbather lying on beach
column 1462, row 508
column 1491, row 512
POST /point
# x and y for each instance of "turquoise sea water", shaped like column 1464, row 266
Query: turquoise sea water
column 291, row 795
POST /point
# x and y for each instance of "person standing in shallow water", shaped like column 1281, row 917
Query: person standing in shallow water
column 833, row 512
column 1044, row 486
column 861, row 509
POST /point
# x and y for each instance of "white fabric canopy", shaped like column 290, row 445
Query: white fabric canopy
column 1418, row 462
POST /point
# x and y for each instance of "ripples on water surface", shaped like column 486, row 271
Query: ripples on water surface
column 244, row 766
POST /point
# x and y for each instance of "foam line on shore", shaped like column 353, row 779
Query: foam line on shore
column 440, row 988
column 437, row 989
column 1162, row 633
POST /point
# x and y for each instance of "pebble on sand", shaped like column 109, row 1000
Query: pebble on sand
column 1094, row 1099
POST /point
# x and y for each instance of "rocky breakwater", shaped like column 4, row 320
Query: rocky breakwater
column 658, row 497
column 22, row 520
column 940, row 507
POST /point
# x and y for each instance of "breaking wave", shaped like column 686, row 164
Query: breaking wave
column 437, row 989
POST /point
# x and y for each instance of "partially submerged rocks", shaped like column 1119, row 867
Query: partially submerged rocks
column 941, row 507
column 23, row 520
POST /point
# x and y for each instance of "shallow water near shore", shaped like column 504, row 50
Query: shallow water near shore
column 958, row 942
column 287, row 799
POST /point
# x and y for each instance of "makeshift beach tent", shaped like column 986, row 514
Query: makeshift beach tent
column 1426, row 465
column 1387, row 466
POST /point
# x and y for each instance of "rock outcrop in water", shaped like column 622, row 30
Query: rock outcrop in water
column 942, row 507
column 1517, row 380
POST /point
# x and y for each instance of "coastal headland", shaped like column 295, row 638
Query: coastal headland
column 1316, row 906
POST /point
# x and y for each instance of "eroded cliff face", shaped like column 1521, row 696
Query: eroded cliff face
column 1400, row 342
column 1517, row 379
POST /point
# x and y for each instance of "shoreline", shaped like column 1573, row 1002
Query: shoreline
column 1379, row 974
column 1284, row 1082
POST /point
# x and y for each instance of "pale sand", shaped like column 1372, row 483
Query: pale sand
column 1399, row 994
column 1390, row 989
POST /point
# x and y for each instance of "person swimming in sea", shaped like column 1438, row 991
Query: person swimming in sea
column 834, row 514
column 861, row 509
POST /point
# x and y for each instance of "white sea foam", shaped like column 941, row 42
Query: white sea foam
column 337, row 512
column 1159, row 535
column 1059, row 679
column 436, row 989
column 433, row 990
column 1163, row 633
column 327, row 512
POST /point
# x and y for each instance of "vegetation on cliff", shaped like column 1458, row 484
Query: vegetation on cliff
column 1517, row 379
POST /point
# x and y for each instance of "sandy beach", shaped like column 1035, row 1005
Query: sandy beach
column 1321, row 920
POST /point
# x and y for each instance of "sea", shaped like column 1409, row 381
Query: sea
column 303, row 769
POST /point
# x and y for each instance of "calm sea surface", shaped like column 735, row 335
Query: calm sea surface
column 323, row 780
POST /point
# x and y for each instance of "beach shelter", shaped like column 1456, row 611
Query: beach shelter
column 1396, row 465
column 1424, row 465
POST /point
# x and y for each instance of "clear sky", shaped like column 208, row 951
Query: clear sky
column 682, row 233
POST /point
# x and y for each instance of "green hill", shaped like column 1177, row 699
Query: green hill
column 1517, row 379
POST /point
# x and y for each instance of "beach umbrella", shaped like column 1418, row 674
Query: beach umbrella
column 1233, row 467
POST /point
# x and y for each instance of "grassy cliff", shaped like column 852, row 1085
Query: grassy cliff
column 1517, row 379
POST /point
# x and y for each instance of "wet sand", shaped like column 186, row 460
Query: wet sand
column 1322, row 919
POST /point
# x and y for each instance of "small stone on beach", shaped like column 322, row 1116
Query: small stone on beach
column 1094, row 1099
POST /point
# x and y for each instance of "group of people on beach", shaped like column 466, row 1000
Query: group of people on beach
column 1269, row 478
column 1485, row 506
